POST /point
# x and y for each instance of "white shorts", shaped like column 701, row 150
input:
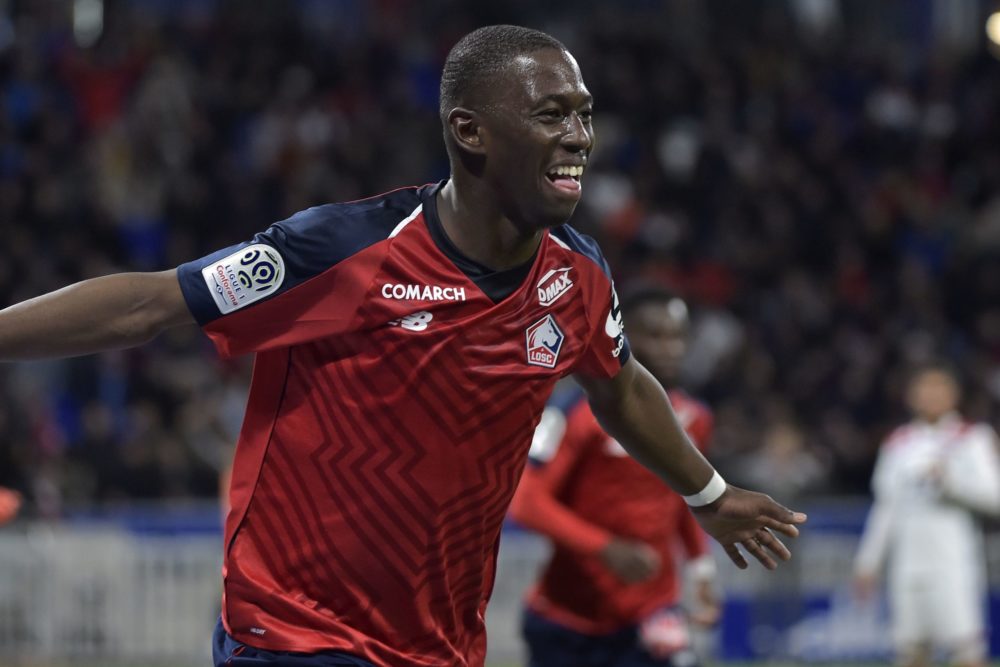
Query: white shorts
column 945, row 610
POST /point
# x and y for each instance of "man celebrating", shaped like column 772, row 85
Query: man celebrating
column 609, row 595
column 405, row 348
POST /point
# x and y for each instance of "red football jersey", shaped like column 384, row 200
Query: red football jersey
column 581, row 490
column 395, row 391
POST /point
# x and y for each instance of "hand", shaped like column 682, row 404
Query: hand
column 10, row 503
column 632, row 562
column 865, row 586
column 707, row 609
column 746, row 518
column 935, row 474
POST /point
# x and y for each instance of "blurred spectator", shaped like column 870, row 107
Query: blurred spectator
column 783, row 466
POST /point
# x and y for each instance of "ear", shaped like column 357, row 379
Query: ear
column 467, row 130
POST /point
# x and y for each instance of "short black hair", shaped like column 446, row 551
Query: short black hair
column 482, row 54
column 934, row 365
column 641, row 294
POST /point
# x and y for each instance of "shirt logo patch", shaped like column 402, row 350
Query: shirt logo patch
column 416, row 322
column 544, row 340
column 553, row 285
column 422, row 292
column 246, row 276
column 614, row 327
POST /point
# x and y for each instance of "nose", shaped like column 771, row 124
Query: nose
column 579, row 136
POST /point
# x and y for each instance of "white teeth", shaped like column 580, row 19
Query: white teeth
column 565, row 170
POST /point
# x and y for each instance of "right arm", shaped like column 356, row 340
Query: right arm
column 874, row 544
column 107, row 313
column 873, row 547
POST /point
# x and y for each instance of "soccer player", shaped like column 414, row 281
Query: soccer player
column 405, row 348
column 934, row 477
column 609, row 595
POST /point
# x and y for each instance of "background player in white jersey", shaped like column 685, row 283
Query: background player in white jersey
column 935, row 477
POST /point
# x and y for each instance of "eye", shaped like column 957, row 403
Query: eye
column 587, row 115
column 550, row 115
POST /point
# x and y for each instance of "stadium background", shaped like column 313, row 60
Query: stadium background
column 819, row 178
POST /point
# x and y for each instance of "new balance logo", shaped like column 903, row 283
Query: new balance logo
column 415, row 322
column 422, row 292
column 553, row 285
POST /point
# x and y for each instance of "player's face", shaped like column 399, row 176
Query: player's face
column 933, row 394
column 658, row 340
column 540, row 138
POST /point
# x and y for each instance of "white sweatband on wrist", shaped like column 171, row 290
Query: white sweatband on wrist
column 712, row 492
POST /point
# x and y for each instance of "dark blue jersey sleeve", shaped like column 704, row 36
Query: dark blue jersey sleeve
column 287, row 254
column 245, row 292
column 608, row 346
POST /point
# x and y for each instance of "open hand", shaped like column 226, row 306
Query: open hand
column 749, row 519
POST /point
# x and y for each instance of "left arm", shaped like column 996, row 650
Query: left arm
column 635, row 410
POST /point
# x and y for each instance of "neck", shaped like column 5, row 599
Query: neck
column 934, row 420
column 473, row 221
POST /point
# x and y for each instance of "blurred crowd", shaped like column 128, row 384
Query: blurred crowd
column 829, row 205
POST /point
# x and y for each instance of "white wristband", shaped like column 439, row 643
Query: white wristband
column 702, row 568
column 712, row 492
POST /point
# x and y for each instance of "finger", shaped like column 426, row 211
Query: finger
column 767, row 538
column 781, row 513
column 757, row 551
column 779, row 526
column 734, row 555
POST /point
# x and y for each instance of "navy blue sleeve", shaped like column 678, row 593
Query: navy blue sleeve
column 612, row 322
column 288, row 253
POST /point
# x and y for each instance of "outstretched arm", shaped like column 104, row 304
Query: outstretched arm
column 634, row 409
column 106, row 313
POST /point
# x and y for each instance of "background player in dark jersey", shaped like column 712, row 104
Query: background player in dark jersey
column 405, row 347
column 609, row 595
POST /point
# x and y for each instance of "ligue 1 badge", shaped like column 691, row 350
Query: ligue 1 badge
column 544, row 340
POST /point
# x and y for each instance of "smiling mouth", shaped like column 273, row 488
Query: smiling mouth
column 566, row 179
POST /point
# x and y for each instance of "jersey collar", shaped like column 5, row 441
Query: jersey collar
column 497, row 285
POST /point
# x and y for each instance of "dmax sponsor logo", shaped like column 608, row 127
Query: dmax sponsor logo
column 544, row 339
column 553, row 285
column 422, row 292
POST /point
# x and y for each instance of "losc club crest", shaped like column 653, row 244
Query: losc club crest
column 544, row 340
